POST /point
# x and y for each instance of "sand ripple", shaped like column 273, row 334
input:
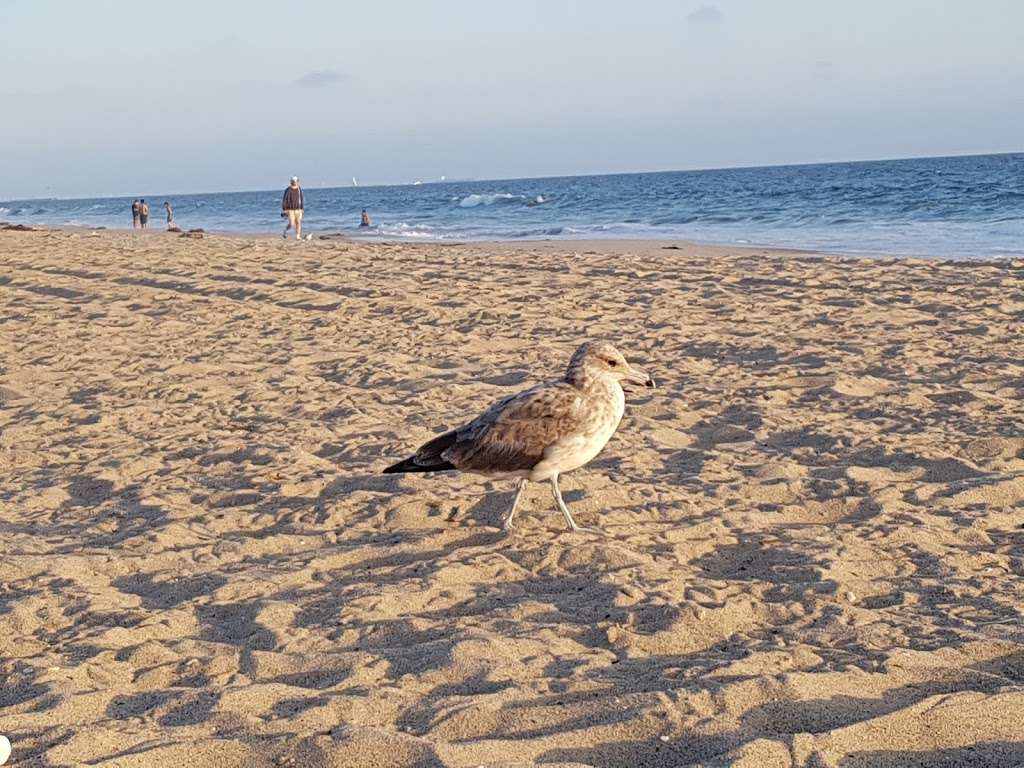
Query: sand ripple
column 815, row 550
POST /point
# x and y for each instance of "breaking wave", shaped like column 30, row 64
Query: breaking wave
column 416, row 231
column 472, row 201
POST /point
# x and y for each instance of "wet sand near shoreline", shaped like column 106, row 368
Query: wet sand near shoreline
column 814, row 527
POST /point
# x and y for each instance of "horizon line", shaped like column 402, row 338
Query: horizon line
column 463, row 180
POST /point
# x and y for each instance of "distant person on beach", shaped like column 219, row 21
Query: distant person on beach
column 170, row 215
column 143, row 213
column 136, row 210
column 364, row 221
column 292, row 206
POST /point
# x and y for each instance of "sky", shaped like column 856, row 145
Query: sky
column 107, row 98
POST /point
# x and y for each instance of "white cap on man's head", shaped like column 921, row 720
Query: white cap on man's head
column 295, row 179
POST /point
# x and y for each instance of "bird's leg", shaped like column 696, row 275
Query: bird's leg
column 565, row 510
column 506, row 523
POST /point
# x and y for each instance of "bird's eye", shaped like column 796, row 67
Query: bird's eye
column 612, row 363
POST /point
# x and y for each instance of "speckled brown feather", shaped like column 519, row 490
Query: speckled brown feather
column 513, row 434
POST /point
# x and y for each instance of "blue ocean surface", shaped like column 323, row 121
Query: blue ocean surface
column 964, row 207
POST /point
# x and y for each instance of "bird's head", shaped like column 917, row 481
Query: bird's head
column 599, row 359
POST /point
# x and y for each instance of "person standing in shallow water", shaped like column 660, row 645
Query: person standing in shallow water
column 292, row 206
column 170, row 215
column 135, row 214
column 143, row 214
column 364, row 220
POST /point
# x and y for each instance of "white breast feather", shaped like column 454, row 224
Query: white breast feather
column 573, row 451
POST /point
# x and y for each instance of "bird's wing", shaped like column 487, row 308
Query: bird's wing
column 513, row 434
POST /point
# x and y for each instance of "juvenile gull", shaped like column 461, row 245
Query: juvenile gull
column 542, row 432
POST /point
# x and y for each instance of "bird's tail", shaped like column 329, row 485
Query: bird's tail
column 412, row 465
column 428, row 458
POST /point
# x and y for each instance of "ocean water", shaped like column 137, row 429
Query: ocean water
column 965, row 207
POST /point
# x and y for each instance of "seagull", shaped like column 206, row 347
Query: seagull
column 542, row 432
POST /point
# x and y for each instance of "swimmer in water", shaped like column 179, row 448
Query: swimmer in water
column 364, row 221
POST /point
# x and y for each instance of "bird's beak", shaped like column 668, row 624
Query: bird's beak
column 636, row 376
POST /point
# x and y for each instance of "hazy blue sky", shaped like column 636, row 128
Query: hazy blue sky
column 111, row 97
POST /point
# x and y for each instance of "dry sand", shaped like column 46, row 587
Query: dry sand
column 815, row 542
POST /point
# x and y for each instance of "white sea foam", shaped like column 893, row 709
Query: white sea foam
column 418, row 231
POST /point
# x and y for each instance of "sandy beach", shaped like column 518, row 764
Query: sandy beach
column 814, row 541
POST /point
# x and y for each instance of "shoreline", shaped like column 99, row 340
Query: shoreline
column 647, row 246
column 961, row 208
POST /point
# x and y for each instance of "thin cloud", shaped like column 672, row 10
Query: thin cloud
column 705, row 14
column 320, row 78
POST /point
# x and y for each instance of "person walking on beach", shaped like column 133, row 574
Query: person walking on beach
column 136, row 210
column 143, row 213
column 292, row 206
column 170, row 216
